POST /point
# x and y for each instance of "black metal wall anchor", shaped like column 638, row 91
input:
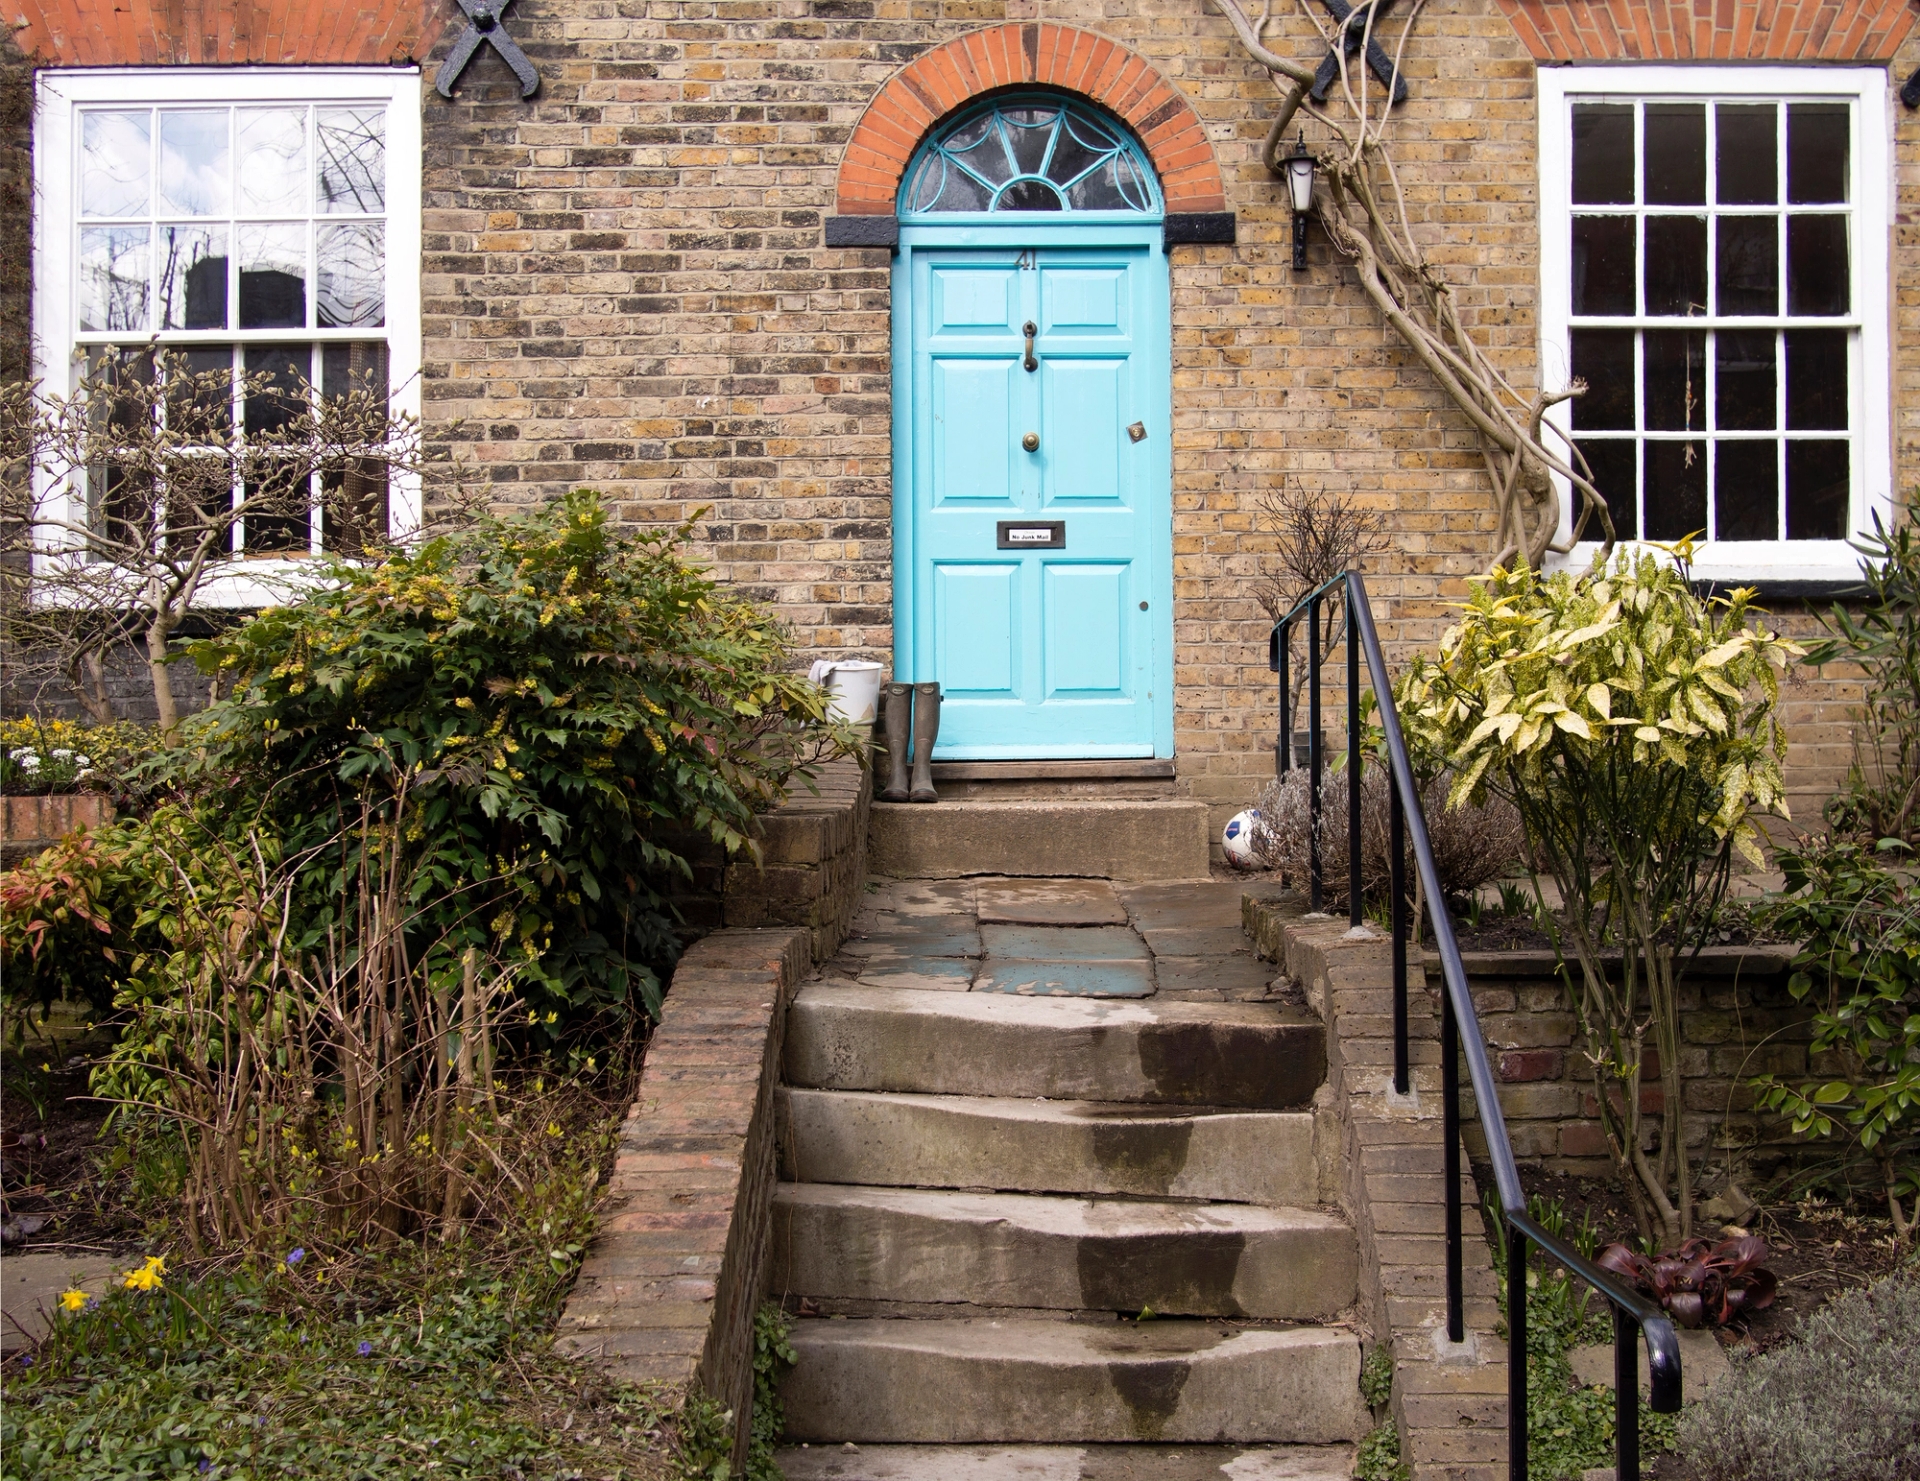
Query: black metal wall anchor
column 483, row 29
column 1910, row 93
column 1353, row 22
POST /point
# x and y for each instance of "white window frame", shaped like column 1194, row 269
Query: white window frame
column 61, row 94
column 1871, row 198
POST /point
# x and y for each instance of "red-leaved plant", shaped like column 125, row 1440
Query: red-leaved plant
column 1699, row 1281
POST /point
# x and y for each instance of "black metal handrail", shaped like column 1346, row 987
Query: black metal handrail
column 1633, row 1314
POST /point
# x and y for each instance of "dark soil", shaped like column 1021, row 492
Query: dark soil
column 1818, row 1248
column 56, row 1191
column 1735, row 926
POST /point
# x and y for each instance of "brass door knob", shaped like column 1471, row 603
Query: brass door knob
column 1031, row 442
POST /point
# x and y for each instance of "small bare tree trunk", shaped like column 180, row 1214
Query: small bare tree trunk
column 166, row 708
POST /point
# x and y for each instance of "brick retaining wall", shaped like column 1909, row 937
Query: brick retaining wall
column 1736, row 1021
column 30, row 824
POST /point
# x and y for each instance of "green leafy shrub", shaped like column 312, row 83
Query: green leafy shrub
column 1632, row 726
column 1859, row 924
column 38, row 757
column 1842, row 1403
column 1882, row 636
column 553, row 696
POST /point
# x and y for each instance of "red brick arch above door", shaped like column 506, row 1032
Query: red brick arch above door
column 1711, row 30
column 136, row 33
column 933, row 85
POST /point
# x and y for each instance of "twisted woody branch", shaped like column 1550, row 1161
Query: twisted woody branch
column 1364, row 212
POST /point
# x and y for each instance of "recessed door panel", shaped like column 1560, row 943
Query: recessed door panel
column 973, row 437
column 1019, row 370
column 1083, row 300
column 1086, row 647
column 967, row 297
column 1084, row 402
column 977, row 609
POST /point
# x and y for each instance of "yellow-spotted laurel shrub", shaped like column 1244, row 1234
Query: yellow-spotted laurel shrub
column 1632, row 724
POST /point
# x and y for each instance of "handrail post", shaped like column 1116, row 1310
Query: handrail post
column 1397, row 887
column 1283, row 753
column 1626, row 1396
column 1355, row 912
column 1516, row 1353
column 1450, row 1122
column 1315, row 870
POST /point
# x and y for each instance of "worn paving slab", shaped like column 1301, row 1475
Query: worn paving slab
column 1197, row 940
column 1242, row 976
column 30, row 1287
column 1188, row 905
column 1067, row 1462
column 913, row 936
column 1049, row 902
column 924, row 896
column 1064, row 943
column 928, row 973
column 1066, row 979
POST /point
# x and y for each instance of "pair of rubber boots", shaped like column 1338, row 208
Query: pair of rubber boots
column 921, row 702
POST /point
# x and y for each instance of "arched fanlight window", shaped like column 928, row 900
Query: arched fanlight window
column 1030, row 153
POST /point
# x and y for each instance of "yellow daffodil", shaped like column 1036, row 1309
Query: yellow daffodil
column 148, row 1276
column 73, row 1300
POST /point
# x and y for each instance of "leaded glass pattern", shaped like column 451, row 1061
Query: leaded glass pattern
column 1031, row 154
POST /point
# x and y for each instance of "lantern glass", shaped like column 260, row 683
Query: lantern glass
column 1300, row 181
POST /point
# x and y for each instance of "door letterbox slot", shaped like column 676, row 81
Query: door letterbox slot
column 1031, row 534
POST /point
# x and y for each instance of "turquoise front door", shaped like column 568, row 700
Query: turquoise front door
column 1033, row 486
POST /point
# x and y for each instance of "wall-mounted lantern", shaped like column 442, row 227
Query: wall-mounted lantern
column 1300, row 167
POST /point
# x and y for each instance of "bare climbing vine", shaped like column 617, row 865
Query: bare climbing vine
column 1364, row 211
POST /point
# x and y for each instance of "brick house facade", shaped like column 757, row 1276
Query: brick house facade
column 668, row 275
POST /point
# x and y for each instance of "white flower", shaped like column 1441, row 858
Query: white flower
column 60, row 753
column 83, row 762
column 23, row 754
column 83, row 773
column 26, row 760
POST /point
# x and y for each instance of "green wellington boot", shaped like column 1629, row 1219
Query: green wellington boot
column 926, row 730
column 897, row 700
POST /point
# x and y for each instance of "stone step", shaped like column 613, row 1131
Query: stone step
column 1063, row 1254
column 1066, row 1462
column 1047, row 1146
column 1159, row 1052
column 1127, row 839
column 1024, row 1379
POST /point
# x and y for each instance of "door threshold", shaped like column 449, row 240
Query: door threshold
column 1124, row 768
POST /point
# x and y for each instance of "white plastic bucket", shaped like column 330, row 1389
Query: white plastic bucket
column 853, row 687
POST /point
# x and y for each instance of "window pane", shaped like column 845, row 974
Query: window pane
column 350, row 286
column 1676, row 381
column 200, row 391
column 113, row 278
column 1746, row 154
column 1029, row 131
column 1029, row 195
column 273, row 160
column 115, row 163
column 194, row 163
column 1817, row 265
column 1071, row 158
column 1676, row 489
column 947, row 187
column 120, row 504
column 1817, row 147
column 1746, row 490
column 277, row 507
column 1602, row 154
column 273, row 277
column 1603, row 358
column 1817, row 380
column 1817, row 490
column 1603, row 266
column 1102, row 190
column 1748, row 264
column 353, row 507
column 1745, row 382
column 1676, row 265
column 352, row 148
column 193, row 277
column 1676, row 154
column 1610, row 463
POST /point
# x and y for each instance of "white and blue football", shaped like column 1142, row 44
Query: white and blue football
column 1236, row 839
